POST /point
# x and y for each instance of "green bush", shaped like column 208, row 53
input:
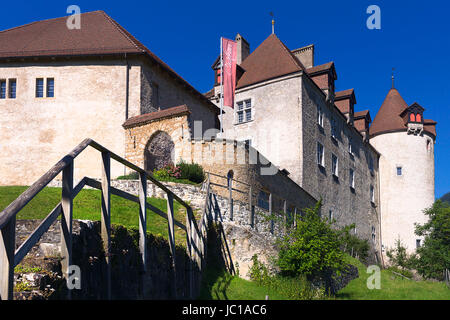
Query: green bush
column 311, row 248
column 296, row 288
column 398, row 256
column 131, row 176
column 191, row 171
column 161, row 174
column 352, row 245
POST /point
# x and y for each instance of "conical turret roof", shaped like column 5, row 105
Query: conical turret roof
column 388, row 117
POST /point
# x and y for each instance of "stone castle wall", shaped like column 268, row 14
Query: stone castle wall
column 348, row 205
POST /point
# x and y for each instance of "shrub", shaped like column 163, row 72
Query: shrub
column 311, row 248
column 161, row 174
column 191, row 171
column 131, row 176
column 296, row 288
column 353, row 245
column 398, row 256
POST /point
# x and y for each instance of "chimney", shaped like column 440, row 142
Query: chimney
column 243, row 48
column 305, row 55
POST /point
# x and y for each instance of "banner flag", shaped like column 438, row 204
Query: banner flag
column 229, row 56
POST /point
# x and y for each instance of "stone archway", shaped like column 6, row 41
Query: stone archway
column 159, row 152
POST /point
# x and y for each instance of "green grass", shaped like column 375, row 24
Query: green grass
column 220, row 285
column 392, row 287
column 87, row 206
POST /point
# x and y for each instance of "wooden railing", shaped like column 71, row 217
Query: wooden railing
column 195, row 235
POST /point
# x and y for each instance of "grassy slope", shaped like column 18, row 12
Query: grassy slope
column 220, row 285
column 392, row 287
column 87, row 206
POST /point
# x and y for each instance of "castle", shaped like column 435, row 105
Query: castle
column 59, row 86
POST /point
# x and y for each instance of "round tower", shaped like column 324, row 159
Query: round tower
column 406, row 169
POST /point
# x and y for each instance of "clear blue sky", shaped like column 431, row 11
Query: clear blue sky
column 414, row 38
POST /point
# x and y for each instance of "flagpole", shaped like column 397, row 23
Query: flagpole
column 221, row 86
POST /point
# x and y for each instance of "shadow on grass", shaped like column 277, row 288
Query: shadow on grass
column 217, row 277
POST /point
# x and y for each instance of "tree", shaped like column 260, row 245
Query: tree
column 311, row 248
column 433, row 257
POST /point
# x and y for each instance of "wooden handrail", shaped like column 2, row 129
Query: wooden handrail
column 43, row 181
column 10, row 257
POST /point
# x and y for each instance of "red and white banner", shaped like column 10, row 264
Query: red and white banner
column 229, row 56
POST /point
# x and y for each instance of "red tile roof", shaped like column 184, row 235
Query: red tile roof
column 344, row 94
column 154, row 116
column 321, row 68
column 270, row 60
column 361, row 114
column 388, row 117
column 99, row 35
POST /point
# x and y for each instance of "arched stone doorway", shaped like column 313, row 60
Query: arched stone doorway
column 160, row 151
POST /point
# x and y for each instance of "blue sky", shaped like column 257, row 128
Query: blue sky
column 414, row 39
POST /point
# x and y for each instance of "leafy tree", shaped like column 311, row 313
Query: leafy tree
column 353, row 245
column 433, row 257
column 311, row 248
column 398, row 256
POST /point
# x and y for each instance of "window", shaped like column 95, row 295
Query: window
column 333, row 128
column 2, row 89
column 399, row 171
column 319, row 116
column 419, row 118
column 320, row 153
column 244, row 111
column 263, row 200
column 154, row 99
column 352, row 179
column 12, row 88
column 39, row 88
column 350, row 145
column 330, row 215
column 417, row 243
column 372, row 194
column 50, row 87
column 334, row 165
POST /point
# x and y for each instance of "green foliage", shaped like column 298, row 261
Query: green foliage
column 191, row 171
column 353, row 245
column 161, row 174
column 27, row 269
column 398, row 256
column 311, row 248
column 296, row 288
column 131, row 176
column 258, row 271
column 182, row 172
column 433, row 257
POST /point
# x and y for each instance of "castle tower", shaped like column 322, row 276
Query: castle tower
column 406, row 168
